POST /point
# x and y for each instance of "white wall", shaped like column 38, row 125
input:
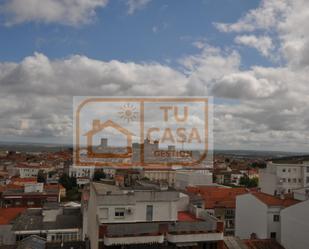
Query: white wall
column 267, row 181
column 295, row 226
column 282, row 177
column 192, row 178
column 250, row 217
column 162, row 211
column 93, row 227
column 274, row 226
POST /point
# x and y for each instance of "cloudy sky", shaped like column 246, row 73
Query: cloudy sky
column 252, row 56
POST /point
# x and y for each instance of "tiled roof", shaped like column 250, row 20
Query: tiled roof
column 18, row 180
column 9, row 214
column 33, row 165
column 262, row 244
column 270, row 200
column 218, row 197
column 185, row 216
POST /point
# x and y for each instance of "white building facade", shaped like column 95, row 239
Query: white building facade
column 295, row 226
column 122, row 216
column 283, row 178
column 259, row 215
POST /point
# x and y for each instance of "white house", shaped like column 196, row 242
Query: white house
column 295, row 226
column 282, row 178
column 258, row 214
column 32, row 170
column 142, row 216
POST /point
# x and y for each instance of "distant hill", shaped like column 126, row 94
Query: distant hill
column 258, row 154
column 31, row 147
column 291, row 159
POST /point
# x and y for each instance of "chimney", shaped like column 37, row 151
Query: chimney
column 96, row 124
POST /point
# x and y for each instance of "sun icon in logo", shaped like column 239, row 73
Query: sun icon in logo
column 128, row 112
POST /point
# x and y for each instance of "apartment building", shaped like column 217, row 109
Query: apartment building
column 179, row 179
column 295, row 226
column 281, row 178
column 259, row 215
column 118, row 217
column 27, row 170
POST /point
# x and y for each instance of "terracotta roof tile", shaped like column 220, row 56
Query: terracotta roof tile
column 185, row 216
column 262, row 244
column 218, row 197
column 9, row 214
column 270, row 200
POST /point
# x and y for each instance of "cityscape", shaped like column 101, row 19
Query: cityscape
column 130, row 124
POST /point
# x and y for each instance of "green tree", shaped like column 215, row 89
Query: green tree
column 41, row 177
column 98, row 174
column 249, row 183
column 68, row 182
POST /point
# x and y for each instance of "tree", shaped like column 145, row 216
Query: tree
column 68, row 182
column 98, row 175
column 41, row 177
column 248, row 183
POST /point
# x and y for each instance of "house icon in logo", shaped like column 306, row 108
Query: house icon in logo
column 98, row 126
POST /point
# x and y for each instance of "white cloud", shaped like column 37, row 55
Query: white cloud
column 266, row 16
column 134, row 5
column 259, row 107
column 262, row 43
column 269, row 107
column 285, row 20
column 68, row 12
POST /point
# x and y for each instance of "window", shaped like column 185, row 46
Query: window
column 307, row 169
column 119, row 213
column 276, row 218
column 273, row 235
column 289, row 180
column 283, row 170
column 294, row 180
column 283, row 180
column 289, row 170
column 307, row 180
column 149, row 212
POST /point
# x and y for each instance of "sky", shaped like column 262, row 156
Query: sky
column 251, row 56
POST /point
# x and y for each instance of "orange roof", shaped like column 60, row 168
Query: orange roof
column 2, row 189
column 18, row 180
column 33, row 165
column 9, row 214
column 262, row 244
column 218, row 197
column 185, row 216
column 270, row 200
column 53, row 186
column 13, row 186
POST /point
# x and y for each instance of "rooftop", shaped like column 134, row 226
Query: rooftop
column 186, row 216
column 63, row 218
column 262, row 244
column 7, row 215
column 270, row 200
column 218, row 197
